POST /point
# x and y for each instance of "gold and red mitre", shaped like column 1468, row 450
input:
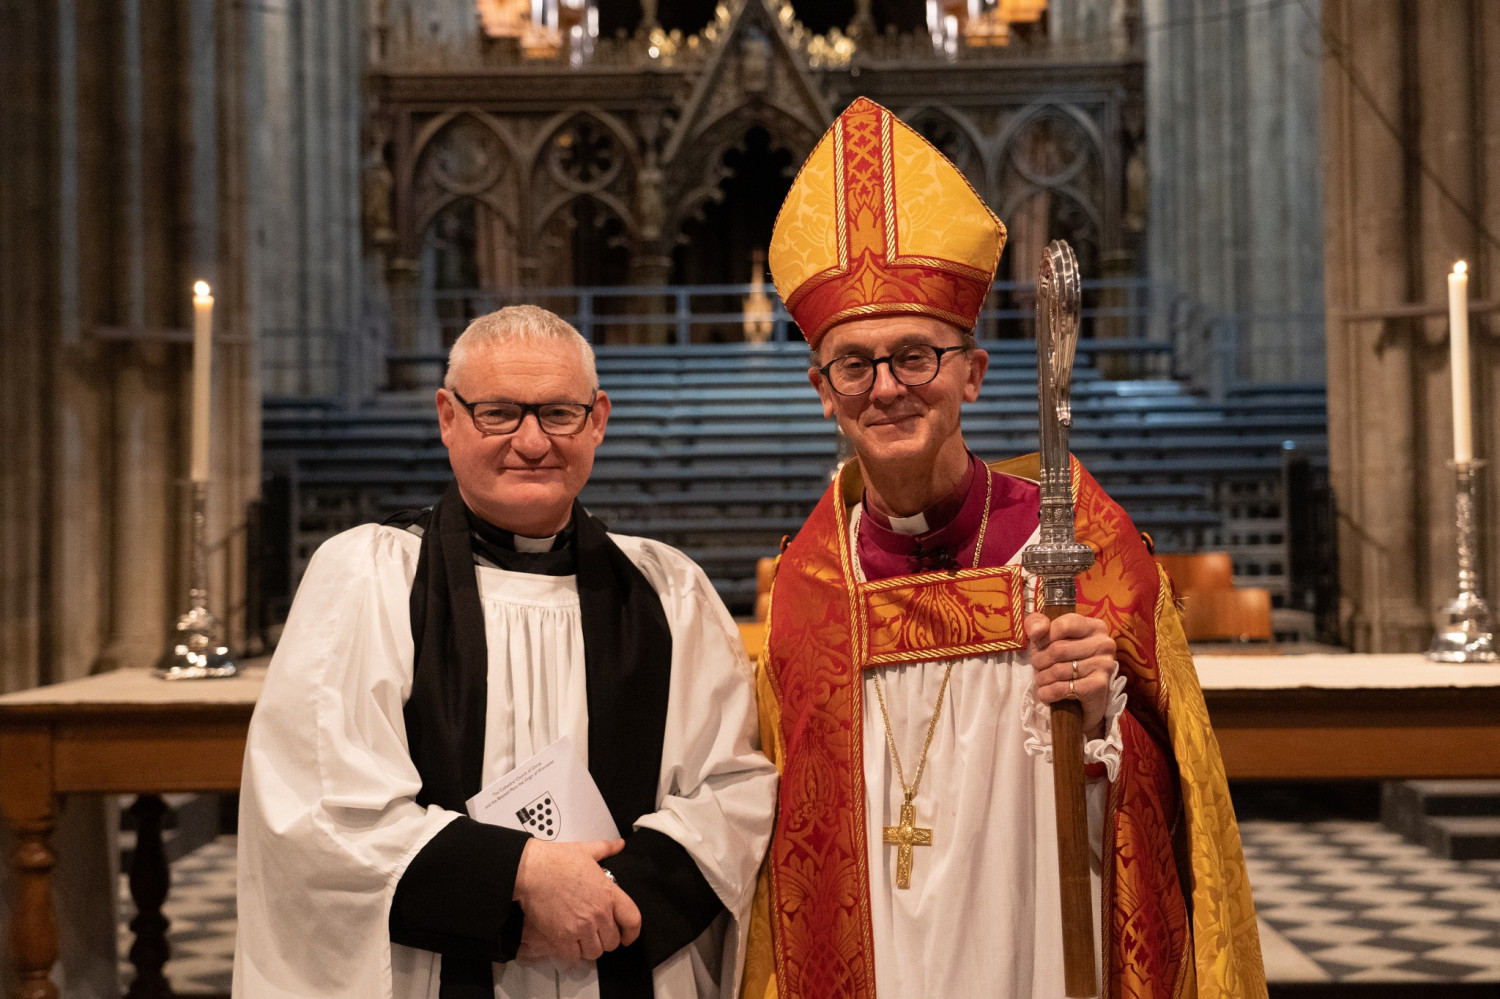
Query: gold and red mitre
column 878, row 222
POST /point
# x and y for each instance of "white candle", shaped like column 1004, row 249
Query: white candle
column 1458, row 349
column 203, row 336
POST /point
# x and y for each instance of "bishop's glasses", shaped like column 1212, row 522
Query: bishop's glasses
column 913, row 365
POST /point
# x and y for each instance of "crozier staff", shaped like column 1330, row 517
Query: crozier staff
column 904, row 685
column 426, row 657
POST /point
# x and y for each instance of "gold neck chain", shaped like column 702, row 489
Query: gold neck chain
column 906, row 835
column 910, row 791
column 984, row 518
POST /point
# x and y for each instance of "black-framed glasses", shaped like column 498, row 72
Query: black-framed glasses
column 498, row 416
column 913, row 365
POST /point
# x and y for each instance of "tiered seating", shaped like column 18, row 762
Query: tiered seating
column 722, row 450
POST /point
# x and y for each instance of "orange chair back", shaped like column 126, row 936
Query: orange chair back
column 1227, row 615
column 1199, row 571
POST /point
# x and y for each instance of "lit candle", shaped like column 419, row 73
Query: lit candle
column 203, row 336
column 1458, row 349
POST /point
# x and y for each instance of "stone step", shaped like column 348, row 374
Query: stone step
column 1463, row 837
column 1458, row 819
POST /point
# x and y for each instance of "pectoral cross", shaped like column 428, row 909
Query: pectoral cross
column 905, row 836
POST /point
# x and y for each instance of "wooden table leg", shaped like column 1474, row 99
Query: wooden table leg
column 149, row 879
column 28, row 804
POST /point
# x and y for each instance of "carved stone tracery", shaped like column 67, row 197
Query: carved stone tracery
column 633, row 142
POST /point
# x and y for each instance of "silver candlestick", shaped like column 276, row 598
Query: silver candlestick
column 197, row 652
column 1464, row 634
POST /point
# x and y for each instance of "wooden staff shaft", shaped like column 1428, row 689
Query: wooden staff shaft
column 1079, row 966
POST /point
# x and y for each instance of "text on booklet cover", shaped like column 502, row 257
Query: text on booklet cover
column 550, row 796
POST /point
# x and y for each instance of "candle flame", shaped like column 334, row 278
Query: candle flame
column 201, row 289
column 1460, row 268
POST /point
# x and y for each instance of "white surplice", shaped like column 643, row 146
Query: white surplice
column 982, row 916
column 328, row 820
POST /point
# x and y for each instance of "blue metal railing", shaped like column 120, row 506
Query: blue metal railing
column 1146, row 329
column 598, row 312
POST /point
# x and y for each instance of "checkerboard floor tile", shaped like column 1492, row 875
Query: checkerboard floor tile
column 1338, row 902
column 200, row 905
column 1353, row 902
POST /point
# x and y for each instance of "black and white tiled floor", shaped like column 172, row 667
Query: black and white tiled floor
column 1352, row 902
column 200, row 906
column 1339, row 901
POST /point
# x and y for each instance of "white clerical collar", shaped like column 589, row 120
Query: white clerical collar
column 525, row 544
column 915, row 524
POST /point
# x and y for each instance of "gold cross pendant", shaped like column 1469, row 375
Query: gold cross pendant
column 905, row 836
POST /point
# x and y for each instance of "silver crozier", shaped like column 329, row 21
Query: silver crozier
column 1056, row 560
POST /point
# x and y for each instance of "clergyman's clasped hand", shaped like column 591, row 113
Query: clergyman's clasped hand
column 574, row 911
column 1073, row 656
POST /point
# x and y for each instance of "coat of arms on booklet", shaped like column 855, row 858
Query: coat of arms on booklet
column 551, row 796
column 541, row 818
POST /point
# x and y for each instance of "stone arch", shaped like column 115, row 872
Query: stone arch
column 695, row 178
column 1069, row 114
column 541, row 157
column 613, row 205
column 1050, row 169
column 436, row 124
column 583, row 239
column 462, row 155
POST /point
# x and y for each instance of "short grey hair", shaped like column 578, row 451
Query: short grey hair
column 524, row 324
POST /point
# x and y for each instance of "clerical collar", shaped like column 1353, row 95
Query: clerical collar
column 890, row 547
column 525, row 544
column 937, row 515
column 885, row 550
column 502, row 549
column 915, row 524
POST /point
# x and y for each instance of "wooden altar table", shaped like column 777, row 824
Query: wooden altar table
column 1276, row 717
column 125, row 732
column 1352, row 716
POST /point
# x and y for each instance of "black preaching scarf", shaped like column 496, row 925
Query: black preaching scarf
column 627, row 652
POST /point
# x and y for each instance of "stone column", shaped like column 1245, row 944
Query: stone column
column 1371, row 436
column 309, row 279
column 1232, row 130
column 1485, row 264
column 29, row 159
column 145, row 541
column 651, row 256
column 1409, row 179
column 1444, row 75
column 121, row 178
column 402, row 277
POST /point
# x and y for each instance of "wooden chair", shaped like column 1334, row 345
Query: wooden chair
column 753, row 633
column 1213, row 608
column 1233, row 615
column 765, row 569
column 1197, row 571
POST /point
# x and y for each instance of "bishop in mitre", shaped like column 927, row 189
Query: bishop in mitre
column 904, row 688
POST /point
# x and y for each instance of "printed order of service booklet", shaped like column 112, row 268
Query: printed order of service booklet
column 550, row 796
